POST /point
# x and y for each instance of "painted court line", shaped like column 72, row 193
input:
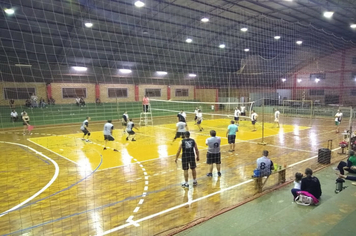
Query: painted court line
column 44, row 188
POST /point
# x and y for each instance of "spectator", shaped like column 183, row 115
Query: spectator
column 145, row 103
column 82, row 102
column 97, row 101
column 351, row 161
column 297, row 184
column 14, row 116
column 34, row 99
column 42, row 103
column 51, row 101
column 77, row 101
column 311, row 184
column 12, row 103
column 264, row 165
column 28, row 103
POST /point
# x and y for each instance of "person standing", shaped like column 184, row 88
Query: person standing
column 243, row 110
column 213, row 155
column 237, row 115
column 254, row 119
column 26, row 122
column 145, row 103
column 181, row 128
column 338, row 118
column 188, row 146
column 129, row 130
column 231, row 135
column 108, row 129
column 14, row 115
column 196, row 111
column 124, row 120
column 199, row 120
column 84, row 129
column 181, row 116
column 276, row 117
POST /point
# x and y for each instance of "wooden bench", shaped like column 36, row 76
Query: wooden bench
column 259, row 182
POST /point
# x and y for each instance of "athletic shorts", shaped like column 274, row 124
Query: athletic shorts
column 243, row 113
column 179, row 135
column 254, row 122
column 24, row 123
column 85, row 131
column 276, row 120
column 199, row 122
column 124, row 124
column 231, row 138
column 109, row 138
column 195, row 118
column 213, row 158
column 188, row 162
column 236, row 118
column 131, row 132
column 337, row 123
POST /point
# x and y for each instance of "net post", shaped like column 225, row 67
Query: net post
column 263, row 123
column 350, row 126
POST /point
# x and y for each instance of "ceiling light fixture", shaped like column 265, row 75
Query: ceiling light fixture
column 222, row 46
column 317, row 80
column 192, row 75
column 139, row 4
column 125, row 71
column 23, row 65
column 277, row 37
column 9, row 11
column 246, row 49
column 284, row 80
column 299, row 42
column 244, row 29
column 299, row 80
column 189, row 40
column 88, row 24
column 79, row 68
column 353, row 26
column 328, row 14
column 161, row 72
column 204, row 19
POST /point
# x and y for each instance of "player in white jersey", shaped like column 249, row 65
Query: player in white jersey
column 237, row 115
column 84, row 128
column 108, row 128
column 243, row 110
column 213, row 155
column 196, row 111
column 254, row 119
column 199, row 120
column 180, row 130
column 276, row 117
column 338, row 118
column 264, row 165
column 124, row 120
column 129, row 129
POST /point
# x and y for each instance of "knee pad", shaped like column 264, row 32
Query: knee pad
column 88, row 133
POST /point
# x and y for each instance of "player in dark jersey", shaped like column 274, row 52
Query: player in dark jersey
column 188, row 146
column 180, row 116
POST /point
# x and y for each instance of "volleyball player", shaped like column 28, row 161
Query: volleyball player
column 199, row 120
column 188, row 146
column 243, row 110
column 129, row 129
column 108, row 128
column 180, row 116
column 180, row 130
column 84, row 129
column 213, row 155
column 124, row 120
column 196, row 115
column 25, row 122
column 276, row 117
column 231, row 135
column 254, row 119
column 338, row 118
column 237, row 115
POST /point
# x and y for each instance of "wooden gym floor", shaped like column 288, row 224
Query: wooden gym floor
column 56, row 184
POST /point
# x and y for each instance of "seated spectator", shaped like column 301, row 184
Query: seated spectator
column 351, row 161
column 352, row 178
column 34, row 99
column 82, row 102
column 97, row 101
column 14, row 116
column 28, row 103
column 51, row 101
column 77, row 101
column 297, row 184
column 12, row 103
column 264, row 165
column 42, row 103
column 311, row 184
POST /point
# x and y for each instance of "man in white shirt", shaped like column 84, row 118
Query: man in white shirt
column 237, row 115
column 108, row 128
column 14, row 116
column 276, row 117
column 254, row 119
column 213, row 155
column 243, row 111
column 77, row 101
column 124, row 121
column 196, row 111
column 180, row 130
column 199, row 120
column 338, row 118
column 129, row 129
column 34, row 99
column 84, row 128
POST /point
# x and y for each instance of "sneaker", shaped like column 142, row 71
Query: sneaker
column 209, row 174
column 185, row 185
column 195, row 183
column 127, row 139
column 133, row 139
column 335, row 168
column 87, row 141
column 104, row 148
column 83, row 139
column 115, row 150
column 219, row 174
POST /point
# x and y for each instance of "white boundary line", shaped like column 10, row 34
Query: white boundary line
column 44, row 188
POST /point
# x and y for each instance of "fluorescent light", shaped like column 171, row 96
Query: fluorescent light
column 23, row 65
column 204, row 19
column 139, row 4
column 161, row 72
column 246, row 49
column 192, row 75
column 88, row 24
column 222, row 46
column 328, row 14
column 244, row 29
column 299, row 42
column 125, row 71
column 284, row 80
column 79, row 68
column 299, row 80
column 353, row 26
column 317, row 80
column 277, row 37
column 9, row 11
column 189, row 40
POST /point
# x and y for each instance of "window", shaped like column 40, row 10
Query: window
column 74, row 92
column 18, row 93
column 354, row 60
column 153, row 92
column 182, row 92
column 317, row 76
column 316, row 92
column 117, row 92
column 353, row 92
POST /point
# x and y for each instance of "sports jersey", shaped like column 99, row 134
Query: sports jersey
column 84, row 125
column 125, row 117
column 254, row 116
column 181, row 126
column 338, row 116
column 237, row 113
column 108, row 127
column 276, row 115
column 196, row 112
column 184, row 115
column 200, row 116
column 188, row 147
column 213, row 144
column 242, row 109
column 264, row 165
column 181, row 117
column 14, row 114
column 232, row 129
column 130, row 126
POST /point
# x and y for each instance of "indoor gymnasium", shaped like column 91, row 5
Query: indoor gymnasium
column 177, row 117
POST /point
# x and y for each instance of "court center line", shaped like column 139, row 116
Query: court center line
column 44, row 188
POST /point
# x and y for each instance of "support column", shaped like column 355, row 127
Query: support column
column 97, row 91
column 49, row 91
column 136, row 93
column 168, row 92
column 294, row 88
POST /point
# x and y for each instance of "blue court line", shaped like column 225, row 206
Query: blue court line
column 25, row 149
